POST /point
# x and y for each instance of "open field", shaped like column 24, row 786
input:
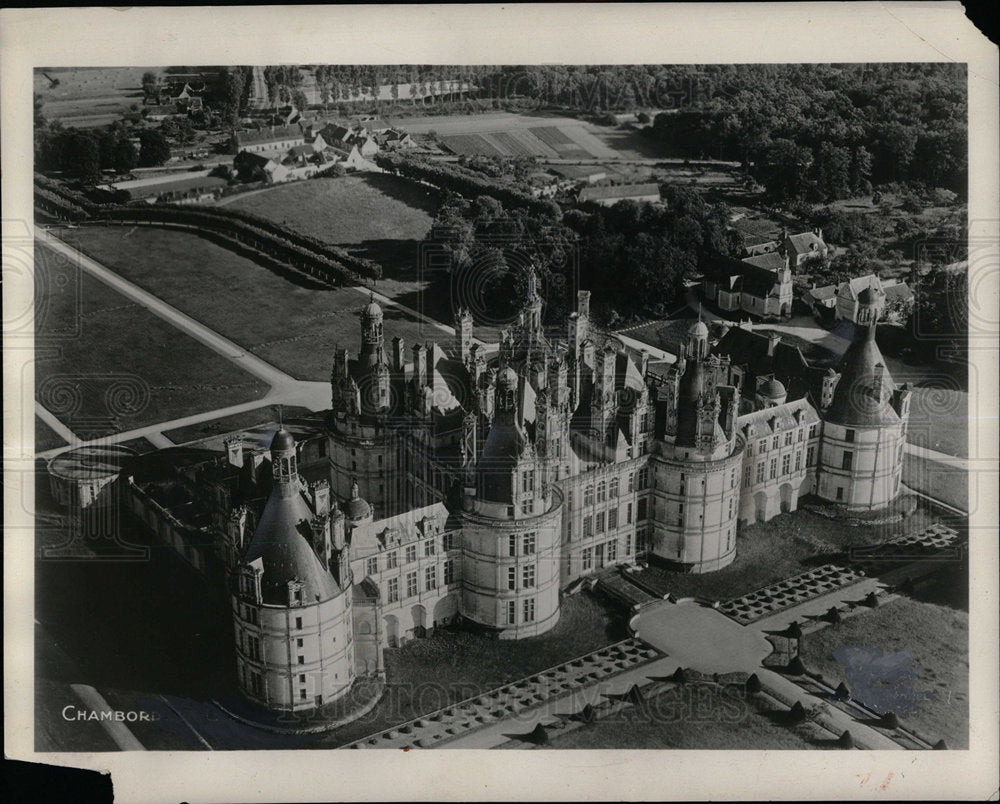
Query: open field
column 546, row 136
column 291, row 327
column 89, row 96
column 903, row 637
column 381, row 217
column 788, row 545
column 698, row 717
column 113, row 376
column 428, row 674
column 950, row 484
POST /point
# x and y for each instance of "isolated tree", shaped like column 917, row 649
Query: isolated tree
column 150, row 82
column 153, row 148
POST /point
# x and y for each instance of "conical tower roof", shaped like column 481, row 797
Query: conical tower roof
column 864, row 392
column 281, row 541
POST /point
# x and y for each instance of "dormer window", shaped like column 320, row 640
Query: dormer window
column 294, row 593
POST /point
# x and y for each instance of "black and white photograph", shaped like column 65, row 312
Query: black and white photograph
column 533, row 405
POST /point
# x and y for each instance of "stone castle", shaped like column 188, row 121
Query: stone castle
column 478, row 482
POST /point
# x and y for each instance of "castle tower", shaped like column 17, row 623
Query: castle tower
column 463, row 335
column 372, row 346
column 285, row 594
column 864, row 428
column 694, row 505
column 512, row 524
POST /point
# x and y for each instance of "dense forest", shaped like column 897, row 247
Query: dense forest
column 632, row 257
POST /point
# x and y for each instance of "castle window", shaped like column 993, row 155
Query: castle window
column 588, row 495
column 372, row 566
column 302, row 678
column 511, row 607
column 774, row 469
column 847, row 460
column 760, row 472
column 527, row 507
column 250, row 615
column 840, row 492
column 411, row 553
column 354, row 466
column 299, row 642
column 746, row 477
column 774, row 443
column 512, row 545
column 628, row 514
column 812, row 431
column 528, row 544
column 528, row 576
column 612, row 550
column 322, row 448
column 612, row 518
column 411, row 584
column 849, row 436
column 392, row 590
column 788, row 438
column 631, row 482
column 430, row 578
column 732, row 479
column 628, row 544
column 449, row 572
column 529, row 610
column 512, row 577
column 810, row 454
column 588, row 559
column 302, row 694
column 588, row 526
column 730, row 507
column 599, row 522
column 643, row 478
column 254, row 648
column 302, row 659
column 641, row 512
column 613, row 487
column 602, row 491
column 390, row 560
column 800, row 434
column 429, row 547
column 798, row 461
column 762, row 446
column 786, row 464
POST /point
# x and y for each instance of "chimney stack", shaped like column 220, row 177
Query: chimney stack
column 234, row 451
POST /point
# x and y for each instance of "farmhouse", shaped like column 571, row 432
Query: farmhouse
column 804, row 247
column 268, row 140
column 851, row 296
column 607, row 196
column 172, row 189
column 760, row 285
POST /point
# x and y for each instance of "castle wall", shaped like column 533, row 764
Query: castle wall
column 776, row 471
column 294, row 657
column 360, row 453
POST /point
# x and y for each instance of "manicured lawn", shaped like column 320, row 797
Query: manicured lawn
column 117, row 367
column 349, row 209
column 291, row 327
column 694, row 716
column 950, row 484
column 373, row 215
column 939, row 420
column 788, row 545
column 934, row 700
column 428, row 674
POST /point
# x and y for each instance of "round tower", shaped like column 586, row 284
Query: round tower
column 511, row 529
column 864, row 428
column 694, row 505
column 292, row 615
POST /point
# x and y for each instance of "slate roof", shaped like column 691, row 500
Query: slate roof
column 281, row 542
column 856, row 399
column 748, row 350
column 805, row 243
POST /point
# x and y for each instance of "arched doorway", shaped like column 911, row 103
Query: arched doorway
column 419, row 621
column 445, row 610
column 392, row 631
column 760, row 506
column 787, row 497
